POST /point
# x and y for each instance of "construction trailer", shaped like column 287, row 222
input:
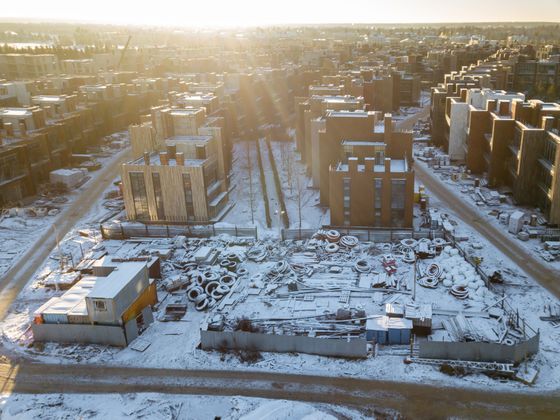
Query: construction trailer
column 110, row 310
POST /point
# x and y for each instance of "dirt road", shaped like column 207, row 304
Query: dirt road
column 412, row 400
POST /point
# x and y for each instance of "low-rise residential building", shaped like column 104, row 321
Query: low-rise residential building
column 184, row 184
column 371, row 191
column 459, row 109
column 516, row 144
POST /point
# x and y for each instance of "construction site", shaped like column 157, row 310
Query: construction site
column 359, row 295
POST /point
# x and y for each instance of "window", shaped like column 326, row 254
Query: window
column 398, row 198
column 377, row 195
column 549, row 152
column 158, row 195
column 100, row 305
column 139, row 197
column 9, row 167
column 187, row 187
column 346, row 200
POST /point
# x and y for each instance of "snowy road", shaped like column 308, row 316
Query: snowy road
column 545, row 276
column 411, row 400
column 20, row 273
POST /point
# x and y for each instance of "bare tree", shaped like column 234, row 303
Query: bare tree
column 290, row 168
column 250, row 170
column 303, row 196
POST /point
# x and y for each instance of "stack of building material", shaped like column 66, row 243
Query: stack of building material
column 62, row 281
column 515, row 222
column 69, row 177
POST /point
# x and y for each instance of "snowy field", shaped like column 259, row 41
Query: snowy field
column 162, row 406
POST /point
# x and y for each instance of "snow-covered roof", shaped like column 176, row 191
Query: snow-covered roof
column 110, row 286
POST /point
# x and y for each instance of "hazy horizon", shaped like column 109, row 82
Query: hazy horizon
column 223, row 13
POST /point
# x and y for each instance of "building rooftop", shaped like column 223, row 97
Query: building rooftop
column 352, row 114
column 184, row 139
column 397, row 165
column 70, row 300
column 15, row 112
column 109, row 287
column 49, row 98
column 156, row 161
column 362, row 143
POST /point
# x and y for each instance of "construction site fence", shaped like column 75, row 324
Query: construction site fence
column 134, row 230
column 353, row 347
column 363, row 234
column 480, row 351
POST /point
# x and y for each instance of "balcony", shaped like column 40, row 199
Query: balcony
column 487, row 158
column 545, row 189
column 9, row 178
column 546, row 164
column 514, row 151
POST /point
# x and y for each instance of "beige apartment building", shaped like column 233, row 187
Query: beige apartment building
column 27, row 66
column 184, row 184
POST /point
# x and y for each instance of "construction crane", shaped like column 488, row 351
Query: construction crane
column 123, row 52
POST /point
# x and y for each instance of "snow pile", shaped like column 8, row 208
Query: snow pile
column 281, row 409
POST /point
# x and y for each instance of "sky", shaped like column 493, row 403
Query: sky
column 216, row 13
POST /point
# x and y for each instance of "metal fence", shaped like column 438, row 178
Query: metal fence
column 365, row 234
column 131, row 230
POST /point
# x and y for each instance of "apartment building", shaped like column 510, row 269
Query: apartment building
column 516, row 144
column 364, row 172
column 208, row 101
column 41, row 138
column 462, row 111
column 166, row 122
column 372, row 190
column 527, row 158
column 536, row 76
column 78, row 66
column 451, row 87
column 181, row 185
column 27, row 66
column 314, row 123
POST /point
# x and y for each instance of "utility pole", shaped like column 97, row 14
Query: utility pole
column 60, row 260
column 414, row 279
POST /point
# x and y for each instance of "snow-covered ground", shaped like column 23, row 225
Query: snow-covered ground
column 162, row 406
column 18, row 232
column 298, row 194
column 248, row 206
column 174, row 344
column 489, row 212
column 296, row 189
